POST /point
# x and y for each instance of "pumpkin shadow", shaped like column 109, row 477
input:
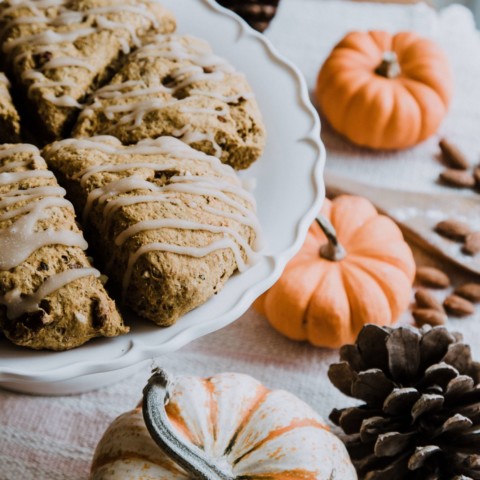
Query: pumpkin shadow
column 339, row 145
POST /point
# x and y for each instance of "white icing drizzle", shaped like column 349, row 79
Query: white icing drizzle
column 206, row 66
column 120, row 202
column 17, row 303
column 52, row 41
column 167, row 146
column 22, row 237
column 49, row 37
column 109, row 198
column 67, row 62
column 85, row 174
column 116, row 188
column 7, row 152
column 12, row 165
column 227, row 99
column 7, row 178
column 197, row 252
column 190, row 137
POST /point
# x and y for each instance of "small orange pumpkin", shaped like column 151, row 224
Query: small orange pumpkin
column 354, row 268
column 385, row 91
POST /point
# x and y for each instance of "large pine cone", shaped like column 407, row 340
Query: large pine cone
column 421, row 416
column 258, row 13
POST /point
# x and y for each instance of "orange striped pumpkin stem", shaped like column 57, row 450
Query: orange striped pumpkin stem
column 189, row 457
column 333, row 250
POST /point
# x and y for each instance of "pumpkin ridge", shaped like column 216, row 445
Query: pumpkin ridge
column 395, row 232
column 116, row 429
column 386, row 287
column 356, row 111
column 336, row 116
column 404, row 42
column 384, row 103
column 296, row 474
column 326, row 330
column 354, row 92
column 412, row 90
column 256, row 402
column 391, row 261
column 213, row 406
column 342, row 82
column 126, row 456
column 349, row 296
column 295, row 424
column 348, row 57
column 325, row 272
column 366, row 43
column 340, row 206
column 434, row 83
column 382, row 39
column 393, row 243
column 404, row 107
column 277, row 302
column 177, row 420
column 347, row 277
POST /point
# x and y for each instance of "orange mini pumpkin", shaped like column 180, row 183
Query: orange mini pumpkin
column 340, row 281
column 385, row 91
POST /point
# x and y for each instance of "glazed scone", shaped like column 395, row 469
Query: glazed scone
column 50, row 295
column 9, row 118
column 170, row 224
column 175, row 86
column 59, row 51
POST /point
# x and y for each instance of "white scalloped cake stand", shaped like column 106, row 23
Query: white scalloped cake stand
column 289, row 191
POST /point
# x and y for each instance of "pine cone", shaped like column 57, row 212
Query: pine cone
column 421, row 416
column 258, row 13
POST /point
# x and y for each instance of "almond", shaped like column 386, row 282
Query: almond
column 432, row 277
column 458, row 306
column 425, row 300
column 453, row 229
column 472, row 244
column 453, row 156
column 476, row 175
column 470, row 291
column 428, row 316
column 457, row 178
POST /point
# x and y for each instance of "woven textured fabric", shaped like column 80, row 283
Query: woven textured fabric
column 54, row 438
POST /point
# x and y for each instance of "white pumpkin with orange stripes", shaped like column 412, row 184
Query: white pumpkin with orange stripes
column 225, row 427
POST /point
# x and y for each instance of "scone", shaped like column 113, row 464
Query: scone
column 9, row 119
column 61, row 50
column 171, row 224
column 175, row 86
column 50, row 296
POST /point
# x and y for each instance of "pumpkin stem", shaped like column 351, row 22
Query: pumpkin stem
column 191, row 458
column 332, row 250
column 389, row 68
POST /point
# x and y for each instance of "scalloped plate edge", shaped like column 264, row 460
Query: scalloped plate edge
column 137, row 351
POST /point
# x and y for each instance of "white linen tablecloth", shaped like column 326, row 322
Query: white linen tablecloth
column 53, row 438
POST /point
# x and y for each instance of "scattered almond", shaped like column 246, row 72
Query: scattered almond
column 458, row 306
column 457, row 178
column 453, row 156
column 425, row 300
column 453, row 229
column 472, row 244
column 432, row 277
column 476, row 175
column 470, row 291
column 428, row 316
